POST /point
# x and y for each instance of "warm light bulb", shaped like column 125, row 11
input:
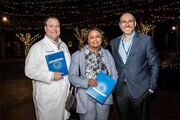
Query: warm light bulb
column 4, row 19
column 173, row 28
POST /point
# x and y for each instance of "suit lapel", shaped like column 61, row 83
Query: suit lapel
column 117, row 45
column 134, row 46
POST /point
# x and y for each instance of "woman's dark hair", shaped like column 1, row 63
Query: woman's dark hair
column 97, row 29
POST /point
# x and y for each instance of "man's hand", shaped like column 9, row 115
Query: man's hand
column 58, row 76
column 151, row 91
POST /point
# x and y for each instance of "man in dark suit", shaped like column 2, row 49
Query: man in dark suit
column 137, row 63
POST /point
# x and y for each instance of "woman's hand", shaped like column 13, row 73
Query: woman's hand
column 92, row 82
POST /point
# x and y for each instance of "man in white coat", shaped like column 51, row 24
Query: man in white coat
column 50, row 89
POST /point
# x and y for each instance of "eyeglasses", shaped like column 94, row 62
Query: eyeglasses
column 127, row 22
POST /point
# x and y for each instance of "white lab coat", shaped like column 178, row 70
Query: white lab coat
column 49, row 95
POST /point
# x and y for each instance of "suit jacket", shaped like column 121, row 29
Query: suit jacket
column 141, row 67
column 77, row 77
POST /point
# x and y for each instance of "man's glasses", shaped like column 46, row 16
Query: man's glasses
column 127, row 22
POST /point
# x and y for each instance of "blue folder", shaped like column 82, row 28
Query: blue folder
column 57, row 63
column 104, row 88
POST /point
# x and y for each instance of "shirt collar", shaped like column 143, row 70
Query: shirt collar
column 130, row 38
column 54, row 42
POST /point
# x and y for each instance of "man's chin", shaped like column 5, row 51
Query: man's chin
column 128, row 32
column 54, row 38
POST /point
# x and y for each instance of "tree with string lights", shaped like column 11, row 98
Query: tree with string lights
column 28, row 40
column 80, row 35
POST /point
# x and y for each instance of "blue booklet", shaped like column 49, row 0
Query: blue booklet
column 57, row 63
column 104, row 88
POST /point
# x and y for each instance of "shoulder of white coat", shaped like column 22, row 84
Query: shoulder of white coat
column 37, row 45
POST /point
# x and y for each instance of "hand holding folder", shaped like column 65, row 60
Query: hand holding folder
column 104, row 88
column 57, row 63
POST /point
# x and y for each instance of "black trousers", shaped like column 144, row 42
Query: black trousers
column 133, row 109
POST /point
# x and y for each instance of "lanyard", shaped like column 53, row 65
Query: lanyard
column 128, row 50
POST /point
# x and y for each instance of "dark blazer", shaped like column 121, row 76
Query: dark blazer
column 141, row 68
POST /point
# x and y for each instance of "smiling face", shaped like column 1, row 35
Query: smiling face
column 95, row 40
column 127, row 23
column 52, row 28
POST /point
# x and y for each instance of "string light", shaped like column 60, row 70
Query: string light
column 72, row 13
